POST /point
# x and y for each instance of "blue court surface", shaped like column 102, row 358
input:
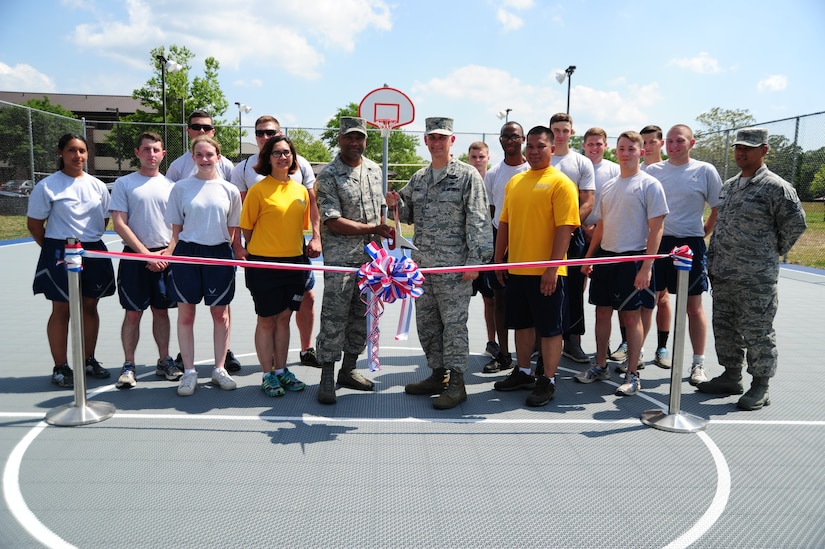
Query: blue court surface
column 384, row 469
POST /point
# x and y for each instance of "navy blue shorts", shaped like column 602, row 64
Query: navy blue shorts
column 190, row 282
column 275, row 290
column 665, row 274
column 309, row 280
column 139, row 288
column 526, row 307
column 97, row 279
column 611, row 284
column 481, row 285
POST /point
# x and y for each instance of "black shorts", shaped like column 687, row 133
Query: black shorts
column 190, row 282
column 611, row 284
column 139, row 288
column 97, row 279
column 275, row 290
column 526, row 307
column 665, row 275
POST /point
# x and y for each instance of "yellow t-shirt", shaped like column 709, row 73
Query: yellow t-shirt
column 277, row 212
column 536, row 202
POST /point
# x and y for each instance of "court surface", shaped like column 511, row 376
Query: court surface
column 385, row 469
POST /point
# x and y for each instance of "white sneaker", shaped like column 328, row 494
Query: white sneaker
column 620, row 354
column 222, row 379
column 697, row 375
column 631, row 385
column 662, row 359
column 622, row 368
column 188, row 383
column 594, row 373
column 127, row 376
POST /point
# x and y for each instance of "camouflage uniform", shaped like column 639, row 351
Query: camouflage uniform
column 758, row 221
column 452, row 227
column 356, row 194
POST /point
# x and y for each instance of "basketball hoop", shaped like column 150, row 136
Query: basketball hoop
column 385, row 126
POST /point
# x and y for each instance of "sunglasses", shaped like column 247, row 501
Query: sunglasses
column 268, row 133
column 199, row 127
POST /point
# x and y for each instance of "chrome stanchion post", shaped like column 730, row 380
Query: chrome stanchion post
column 675, row 420
column 79, row 412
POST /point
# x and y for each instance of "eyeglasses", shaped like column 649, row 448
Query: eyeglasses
column 268, row 133
column 281, row 154
column 511, row 137
column 199, row 127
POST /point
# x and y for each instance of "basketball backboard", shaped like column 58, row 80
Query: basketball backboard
column 386, row 108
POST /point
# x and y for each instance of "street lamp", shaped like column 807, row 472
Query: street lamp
column 116, row 110
column 505, row 114
column 241, row 109
column 173, row 67
column 561, row 75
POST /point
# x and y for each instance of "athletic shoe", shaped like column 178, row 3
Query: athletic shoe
column 271, row 385
column 167, row 368
column 516, row 380
column 222, row 379
column 188, row 383
column 93, row 368
column 231, row 363
column 620, row 354
column 499, row 363
column 62, row 376
column 309, row 358
column 290, row 382
column 492, row 349
column 127, row 376
column 179, row 363
column 543, row 392
column 631, row 385
column 697, row 375
column 662, row 359
column 622, row 368
column 594, row 373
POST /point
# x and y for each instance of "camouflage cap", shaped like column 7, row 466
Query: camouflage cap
column 752, row 137
column 437, row 124
column 352, row 124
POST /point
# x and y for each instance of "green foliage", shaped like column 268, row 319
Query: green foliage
column 19, row 127
column 310, row 148
column 714, row 138
column 401, row 146
column 817, row 188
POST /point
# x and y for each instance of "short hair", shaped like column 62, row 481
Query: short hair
column 264, row 165
column 652, row 128
column 150, row 136
column 267, row 118
column 198, row 113
column 512, row 123
column 479, row 146
column 205, row 139
column 541, row 130
column 684, row 126
column 636, row 137
column 595, row 131
column 560, row 117
column 64, row 140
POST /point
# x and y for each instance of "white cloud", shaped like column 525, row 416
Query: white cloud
column 519, row 4
column 702, row 64
column 24, row 78
column 509, row 21
column 774, row 82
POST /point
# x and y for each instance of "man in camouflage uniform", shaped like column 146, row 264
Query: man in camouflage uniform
column 760, row 218
column 448, row 205
column 350, row 196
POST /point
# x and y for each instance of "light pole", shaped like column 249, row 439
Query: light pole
column 241, row 109
column 505, row 114
column 116, row 110
column 171, row 66
column 561, row 75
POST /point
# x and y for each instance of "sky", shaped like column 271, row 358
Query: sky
column 637, row 63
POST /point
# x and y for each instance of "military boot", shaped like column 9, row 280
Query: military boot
column 326, row 389
column 348, row 376
column 454, row 395
column 757, row 396
column 433, row 385
column 729, row 383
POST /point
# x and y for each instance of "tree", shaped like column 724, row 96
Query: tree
column 401, row 146
column 307, row 146
column 714, row 139
column 810, row 165
column 42, row 126
column 817, row 188
column 182, row 96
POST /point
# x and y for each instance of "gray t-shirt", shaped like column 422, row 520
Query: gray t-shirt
column 244, row 175
column 604, row 172
column 626, row 205
column 206, row 208
column 184, row 167
column 578, row 168
column 143, row 199
column 496, row 180
column 688, row 188
column 74, row 207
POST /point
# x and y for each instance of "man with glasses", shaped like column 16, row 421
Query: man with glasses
column 244, row 176
column 511, row 139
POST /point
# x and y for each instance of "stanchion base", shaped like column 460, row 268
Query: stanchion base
column 70, row 415
column 675, row 423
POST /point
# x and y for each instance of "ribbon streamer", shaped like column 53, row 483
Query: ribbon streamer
column 386, row 279
column 682, row 257
column 73, row 257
